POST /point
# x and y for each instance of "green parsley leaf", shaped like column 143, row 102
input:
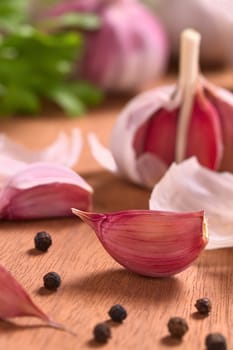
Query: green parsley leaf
column 84, row 21
column 37, row 65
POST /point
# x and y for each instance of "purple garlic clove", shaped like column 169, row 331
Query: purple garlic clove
column 151, row 243
column 15, row 301
column 222, row 100
column 43, row 190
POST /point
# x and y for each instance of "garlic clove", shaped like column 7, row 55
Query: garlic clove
column 151, row 243
column 64, row 150
column 189, row 186
column 223, row 102
column 15, row 301
column 43, row 190
column 204, row 137
column 158, row 129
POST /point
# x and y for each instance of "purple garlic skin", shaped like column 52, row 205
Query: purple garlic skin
column 128, row 51
column 43, row 190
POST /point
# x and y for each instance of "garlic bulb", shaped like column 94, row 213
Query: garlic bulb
column 213, row 19
column 171, row 123
column 188, row 187
column 43, row 190
column 151, row 243
column 129, row 50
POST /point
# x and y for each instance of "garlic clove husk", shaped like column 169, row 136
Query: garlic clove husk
column 43, row 190
column 15, row 301
column 102, row 154
column 116, row 54
column 189, row 186
column 172, row 123
column 151, row 243
column 65, row 150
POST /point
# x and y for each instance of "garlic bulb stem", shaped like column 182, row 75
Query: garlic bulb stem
column 188, row 78
column 189, row 57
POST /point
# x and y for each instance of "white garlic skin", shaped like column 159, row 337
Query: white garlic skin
column 212, row 19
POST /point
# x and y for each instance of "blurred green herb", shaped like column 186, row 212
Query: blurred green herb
column 83, row 21
column 12, row 14
column 36, row 65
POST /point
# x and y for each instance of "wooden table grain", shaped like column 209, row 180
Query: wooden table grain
column 91, row 281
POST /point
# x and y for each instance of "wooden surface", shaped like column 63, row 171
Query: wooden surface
column 91, row 281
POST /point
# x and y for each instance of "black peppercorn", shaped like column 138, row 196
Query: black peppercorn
column 52, row 280
column 203, row 306
column 215, row 341
column 42, row 241
column 102, row 332
column 177, row 326
column 117, row 313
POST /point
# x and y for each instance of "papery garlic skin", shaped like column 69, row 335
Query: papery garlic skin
column 189, row 186
column 43, row 190
column 213, row 19
column 128, row 51
column 9, row 167
column 65, row 150
column 151, row 243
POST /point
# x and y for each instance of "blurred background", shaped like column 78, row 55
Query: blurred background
column 74, row 53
